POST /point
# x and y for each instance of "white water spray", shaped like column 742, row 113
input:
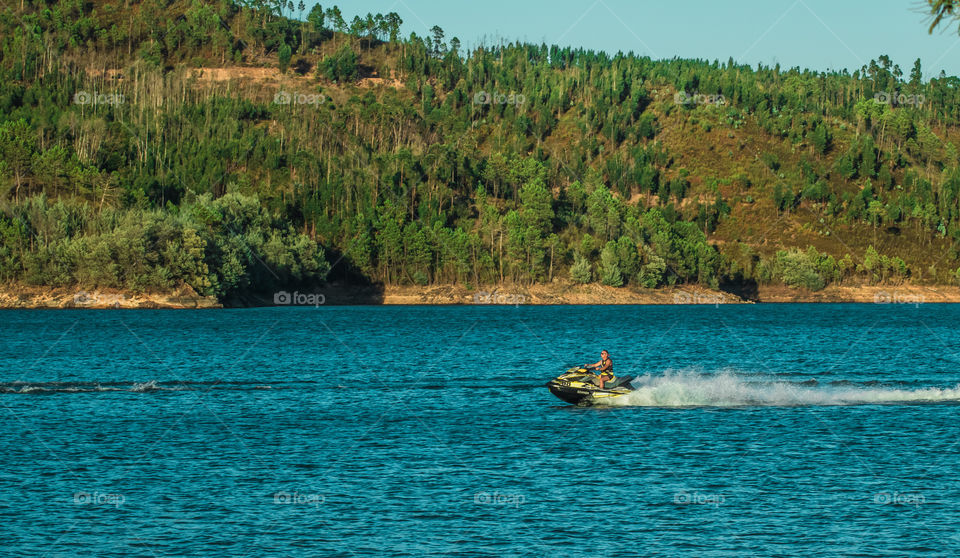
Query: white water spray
column 689, row 389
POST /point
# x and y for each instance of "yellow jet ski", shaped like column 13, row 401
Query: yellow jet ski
column 577, row 386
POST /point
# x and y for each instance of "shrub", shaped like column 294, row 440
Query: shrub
column 580, row 270
column 610, row 266
column 798, row 269
column 651, row 274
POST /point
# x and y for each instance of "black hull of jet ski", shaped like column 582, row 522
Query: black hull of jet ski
column 571, row 395
column 577, row 388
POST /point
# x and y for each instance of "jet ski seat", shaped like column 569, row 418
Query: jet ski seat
column 617, row 382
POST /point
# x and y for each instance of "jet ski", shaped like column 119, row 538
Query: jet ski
column 576, row 386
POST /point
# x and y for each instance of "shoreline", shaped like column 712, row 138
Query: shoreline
column 24, row 297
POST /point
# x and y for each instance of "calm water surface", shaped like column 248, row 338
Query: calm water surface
column 426, row 431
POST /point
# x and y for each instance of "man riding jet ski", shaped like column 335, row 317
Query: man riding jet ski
column 582, row 387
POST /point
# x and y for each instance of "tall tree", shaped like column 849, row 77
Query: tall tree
column 18, row 143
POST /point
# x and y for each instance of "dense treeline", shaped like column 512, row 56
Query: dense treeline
column 223, row 247
column 514, row 163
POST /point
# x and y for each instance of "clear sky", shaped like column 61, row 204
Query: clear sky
column 815, row 34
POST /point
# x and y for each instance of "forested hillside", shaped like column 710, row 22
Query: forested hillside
column 250, row 146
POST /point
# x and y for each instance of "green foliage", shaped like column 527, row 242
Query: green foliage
column 218, row 247
column 882, row 269
column 821, row 139
column 610, row 266
column 814, row 270
column 800, row 269
column 783, row 197
column 17, row 148
column 580, row 271
column 653, row 272
column 818, row 191
column 284, row 57
column 316, row 18
column 340, row 66
column 771, row 161
column 423, row 184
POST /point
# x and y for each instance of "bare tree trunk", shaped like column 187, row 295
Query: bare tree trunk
column 550, row 276
column 501, row 257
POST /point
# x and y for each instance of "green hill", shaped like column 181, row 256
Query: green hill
column 239, row 147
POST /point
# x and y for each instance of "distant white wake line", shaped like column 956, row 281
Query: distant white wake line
column 729, row 390
column 115, row 386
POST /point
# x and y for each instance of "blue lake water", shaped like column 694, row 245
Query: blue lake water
column 427, row 431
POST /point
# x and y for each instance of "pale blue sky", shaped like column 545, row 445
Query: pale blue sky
column 816, row 34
